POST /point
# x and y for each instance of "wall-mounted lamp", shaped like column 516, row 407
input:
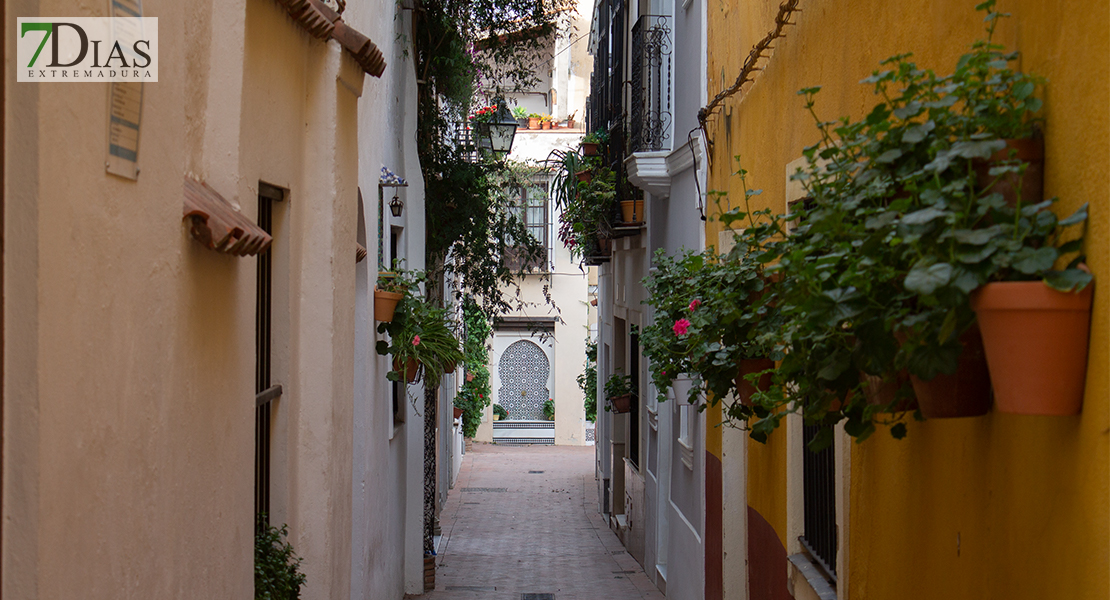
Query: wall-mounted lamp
column 396, row 207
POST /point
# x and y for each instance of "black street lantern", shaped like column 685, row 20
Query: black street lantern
column 395, row 205
column 500, row 131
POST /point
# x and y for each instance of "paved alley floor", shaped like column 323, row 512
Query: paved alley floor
column 524, row 520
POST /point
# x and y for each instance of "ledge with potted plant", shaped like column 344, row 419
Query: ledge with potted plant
column 899, row 231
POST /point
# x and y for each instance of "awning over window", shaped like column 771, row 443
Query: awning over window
column 324, row 23
column 214, row 222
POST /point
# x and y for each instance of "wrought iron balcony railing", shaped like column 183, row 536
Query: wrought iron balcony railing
column 650, row 103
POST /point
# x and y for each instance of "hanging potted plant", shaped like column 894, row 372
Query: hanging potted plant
column 618, row 391
column 421, row 339
column 389, row 290
column 1036, row 319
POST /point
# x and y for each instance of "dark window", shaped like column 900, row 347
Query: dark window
column 265, row 391
column 397, row 389
column 819, row 500
column 634, row 414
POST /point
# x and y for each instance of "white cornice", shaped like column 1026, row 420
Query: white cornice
column 653, row 171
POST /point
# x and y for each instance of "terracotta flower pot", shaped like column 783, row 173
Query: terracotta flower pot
column 1036, row 344
column 385, row 304
column 965, row 393
column 450, row 367
column 570, row 123
column 604, row 246
column 882, row 391
column 591, row 148
column 744, row 388
column 458, row 412
column 585, row 175
column 533, row 123
column 621, row 404
column 412, row 369
column 545, row 125
column 632, row 211
column 1031, row 182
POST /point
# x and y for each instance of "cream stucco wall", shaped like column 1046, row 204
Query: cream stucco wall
column 129, row 348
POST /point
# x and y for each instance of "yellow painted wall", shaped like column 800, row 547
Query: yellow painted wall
column 1000, row 506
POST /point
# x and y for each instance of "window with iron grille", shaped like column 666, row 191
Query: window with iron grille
column 531, row 207
column 265, row 391
column 819, row 501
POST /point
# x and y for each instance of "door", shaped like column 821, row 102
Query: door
column 524, row 370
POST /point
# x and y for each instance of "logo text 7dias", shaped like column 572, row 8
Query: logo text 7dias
column 87, row 49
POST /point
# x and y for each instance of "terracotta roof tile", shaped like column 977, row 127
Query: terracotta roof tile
column 368, row 56
column 324, row 23
column 214, row 222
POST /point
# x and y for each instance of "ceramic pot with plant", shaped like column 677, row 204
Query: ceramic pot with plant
column 499, row 412
column 618, row 391
column 421, row 338
column 521, row 116
column 389, row 290
column 534, row 121
column 1035, row 318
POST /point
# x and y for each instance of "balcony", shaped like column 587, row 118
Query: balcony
column 650, row 103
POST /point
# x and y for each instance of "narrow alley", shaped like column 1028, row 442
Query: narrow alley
column 524, row 520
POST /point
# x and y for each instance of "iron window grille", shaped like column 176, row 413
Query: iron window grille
column 819, row 500
column 265, row 392
column 650, row 103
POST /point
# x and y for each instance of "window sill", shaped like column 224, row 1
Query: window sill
column 686, row 453
column 804, row 572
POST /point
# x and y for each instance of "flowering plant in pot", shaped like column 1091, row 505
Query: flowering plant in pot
column 421, row 339
column 619, row 392
column 474, row 394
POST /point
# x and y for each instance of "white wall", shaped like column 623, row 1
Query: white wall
column 387, row 483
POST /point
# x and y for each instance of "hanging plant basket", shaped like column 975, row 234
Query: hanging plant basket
column 385, row 304
column 1036, row 344
column 591, row 148
column 965, row 393
column 621, row 404
column 458, row 412
column 412, row 369
column 585, row 176
column 744, row 388
column 450, row 367
column 632, row 211
column 1031, row 183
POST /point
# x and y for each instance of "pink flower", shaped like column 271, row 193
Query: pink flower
column 694, row 304
column 416, row 340
column 664, row 372
column 680, row 326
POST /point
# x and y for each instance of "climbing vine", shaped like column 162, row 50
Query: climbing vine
column 474, row 396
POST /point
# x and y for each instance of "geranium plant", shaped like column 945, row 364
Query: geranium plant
column 419, row 333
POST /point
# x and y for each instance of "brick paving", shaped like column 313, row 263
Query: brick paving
column 507, row 532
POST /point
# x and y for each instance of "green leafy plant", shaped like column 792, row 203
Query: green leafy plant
column 549, row 409
column 419, row 332
column 599, row 136
column 520, row 112
column 587, row 381
column 591, row 214
column 500, row 411
column 277, row 568
column 618, row 385
column 474, row 395
column 897, row 230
